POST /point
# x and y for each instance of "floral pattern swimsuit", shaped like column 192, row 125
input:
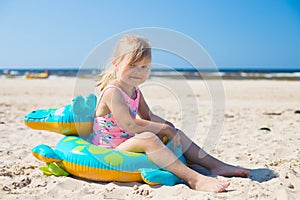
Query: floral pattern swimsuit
column 107, row 132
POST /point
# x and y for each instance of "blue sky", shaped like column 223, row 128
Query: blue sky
column 234, row 32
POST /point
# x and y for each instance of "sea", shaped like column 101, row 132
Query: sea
column 225, row 72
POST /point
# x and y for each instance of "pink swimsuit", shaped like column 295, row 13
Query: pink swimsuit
column 107, row 132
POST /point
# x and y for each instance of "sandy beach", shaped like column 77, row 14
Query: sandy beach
column 261, row 132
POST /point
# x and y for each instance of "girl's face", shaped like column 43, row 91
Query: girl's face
column 136, row 73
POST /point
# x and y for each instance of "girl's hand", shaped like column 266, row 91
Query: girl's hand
column 172, row 134
column 176, row 141
column 170, row 124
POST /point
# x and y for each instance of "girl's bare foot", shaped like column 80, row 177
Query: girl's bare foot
column 230, row 171
column 208, row 184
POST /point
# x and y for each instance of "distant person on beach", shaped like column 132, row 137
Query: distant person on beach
column 116, row 126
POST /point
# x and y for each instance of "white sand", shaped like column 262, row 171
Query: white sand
column 272, row 156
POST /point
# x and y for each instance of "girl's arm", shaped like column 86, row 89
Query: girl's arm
column 147, row 114
column 115, row 102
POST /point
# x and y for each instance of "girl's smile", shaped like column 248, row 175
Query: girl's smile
column 136, row 73
column 135, row 77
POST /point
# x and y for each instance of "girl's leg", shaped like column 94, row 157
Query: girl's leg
column 150, row 144
column 196, row 155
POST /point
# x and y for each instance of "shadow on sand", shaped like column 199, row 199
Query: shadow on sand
column 260, row 175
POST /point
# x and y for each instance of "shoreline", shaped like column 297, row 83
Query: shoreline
column 188, row 76
column 225, row 74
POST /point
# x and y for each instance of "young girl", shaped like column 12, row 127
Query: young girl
column 116, row 125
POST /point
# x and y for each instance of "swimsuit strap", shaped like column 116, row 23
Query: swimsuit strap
column 124, row 94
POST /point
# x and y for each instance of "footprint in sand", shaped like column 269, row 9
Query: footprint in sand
column 141, row 191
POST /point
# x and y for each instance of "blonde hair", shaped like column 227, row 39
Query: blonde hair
column 129, row 50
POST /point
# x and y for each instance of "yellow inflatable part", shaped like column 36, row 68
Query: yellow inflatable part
column 67, row 128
